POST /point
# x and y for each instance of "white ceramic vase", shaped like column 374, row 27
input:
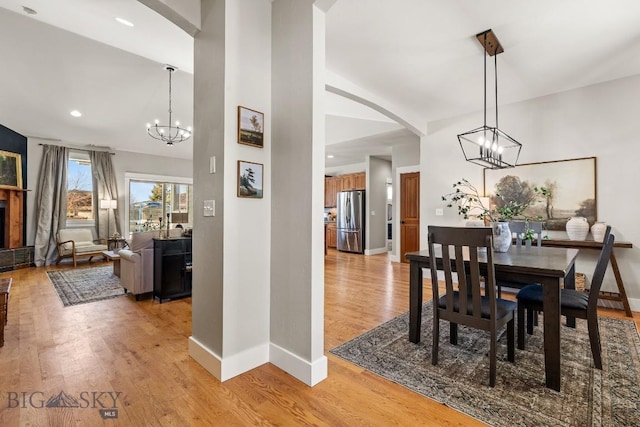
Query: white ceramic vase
column 501, row 236
column 577, row 228
column 597, row 231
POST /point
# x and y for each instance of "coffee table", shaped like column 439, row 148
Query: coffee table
column 112, row 256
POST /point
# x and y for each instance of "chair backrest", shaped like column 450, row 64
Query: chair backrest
column 520, row 227
column 456, row 243
column 598, row 274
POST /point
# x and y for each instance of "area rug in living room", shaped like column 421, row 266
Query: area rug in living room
column 83, row 285
column 588, row 396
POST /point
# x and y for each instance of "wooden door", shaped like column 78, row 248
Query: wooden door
column 409, row 213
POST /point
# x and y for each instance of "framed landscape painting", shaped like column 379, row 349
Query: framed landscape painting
column 250, row 179
column 10, row 169
column 250, row 127
column 572, row 186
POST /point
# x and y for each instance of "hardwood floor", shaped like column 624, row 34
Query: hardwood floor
column 140, row 350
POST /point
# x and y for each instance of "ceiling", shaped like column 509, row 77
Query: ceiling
column 418, row 55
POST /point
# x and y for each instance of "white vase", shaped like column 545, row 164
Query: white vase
column 597, row 231
column 501, row 236
column 577, row 228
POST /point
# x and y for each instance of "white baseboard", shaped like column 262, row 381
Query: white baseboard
column 634, row 303
column 394, row 258
column 376, row 251
column 205, row 357
column 229, row 367
column 310, row 373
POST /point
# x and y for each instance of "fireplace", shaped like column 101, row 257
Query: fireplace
column 11, row 205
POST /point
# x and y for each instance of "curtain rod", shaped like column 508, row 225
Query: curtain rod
column 77, row 148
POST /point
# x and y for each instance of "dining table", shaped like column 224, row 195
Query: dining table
column 549, row 266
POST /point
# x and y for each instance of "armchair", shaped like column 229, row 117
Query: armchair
column 78, row 242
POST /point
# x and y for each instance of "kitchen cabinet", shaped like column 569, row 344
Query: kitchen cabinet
column 331, row 235
column 347, row 182
column 353, row 181
column 331, row 189
column 359, row 181
column 171, row 268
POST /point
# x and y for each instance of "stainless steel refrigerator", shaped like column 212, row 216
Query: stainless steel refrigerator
column 350, row 221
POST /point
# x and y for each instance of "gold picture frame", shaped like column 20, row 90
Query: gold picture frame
column 250, row 127
column 10, row 170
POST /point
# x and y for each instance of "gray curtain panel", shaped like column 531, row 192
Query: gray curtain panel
column 105, row 187
column 51, row 203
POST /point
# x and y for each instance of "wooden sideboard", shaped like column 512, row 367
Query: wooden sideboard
column 591, row 244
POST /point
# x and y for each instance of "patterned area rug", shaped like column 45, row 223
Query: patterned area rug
column 83, row 285
column 589, row 397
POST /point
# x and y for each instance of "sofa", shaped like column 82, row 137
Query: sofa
column 78, row 242
column 136, row 263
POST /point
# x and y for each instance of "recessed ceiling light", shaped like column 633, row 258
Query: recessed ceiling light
column 76, row 113
column 124, row 22
column 28, row 10
column 330, row 156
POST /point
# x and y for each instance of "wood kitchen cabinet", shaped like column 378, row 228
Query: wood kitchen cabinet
column 353, row 181
column 331, row 235
column 331, row 189
column 335, row 184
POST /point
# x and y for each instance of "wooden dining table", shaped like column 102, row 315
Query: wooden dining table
column 545, row 265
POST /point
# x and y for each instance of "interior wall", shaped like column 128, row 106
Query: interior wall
column 599, row 120
column 231, row 294
column 378, row 172
column 341, row 170
column 297, row 225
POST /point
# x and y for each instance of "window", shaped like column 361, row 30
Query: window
column 150, row 201
column 80, row 209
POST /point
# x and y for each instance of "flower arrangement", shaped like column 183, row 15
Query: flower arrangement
column 469, row 202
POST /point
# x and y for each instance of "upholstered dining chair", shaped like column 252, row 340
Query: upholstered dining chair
column 471, row 303
column 573, row 303
column 519, row 228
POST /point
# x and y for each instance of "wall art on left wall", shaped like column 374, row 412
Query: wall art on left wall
column 10, row 169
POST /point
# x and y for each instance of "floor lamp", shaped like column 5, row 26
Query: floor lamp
column 108, row 204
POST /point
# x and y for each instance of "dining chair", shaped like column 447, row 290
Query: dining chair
column 519, row 228
column 468, row 302
column 573, row 303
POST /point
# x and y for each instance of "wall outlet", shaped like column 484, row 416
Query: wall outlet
column 439, row 212
column 373, row 213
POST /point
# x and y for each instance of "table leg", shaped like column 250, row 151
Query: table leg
column 623, row 293
column 551, row 305
column 415, row 301
column 570, row 283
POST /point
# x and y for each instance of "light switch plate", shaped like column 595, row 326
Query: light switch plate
column 212, row 164
column 209, row 208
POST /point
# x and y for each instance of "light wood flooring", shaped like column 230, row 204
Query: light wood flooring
column 140, row 350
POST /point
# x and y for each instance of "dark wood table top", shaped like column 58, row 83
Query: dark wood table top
column 543, row 261
column 5, row 285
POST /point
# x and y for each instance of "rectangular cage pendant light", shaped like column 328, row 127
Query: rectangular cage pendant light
column 488, row 146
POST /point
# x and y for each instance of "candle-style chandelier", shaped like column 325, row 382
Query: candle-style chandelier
column 489, row 146
column 169, row 134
